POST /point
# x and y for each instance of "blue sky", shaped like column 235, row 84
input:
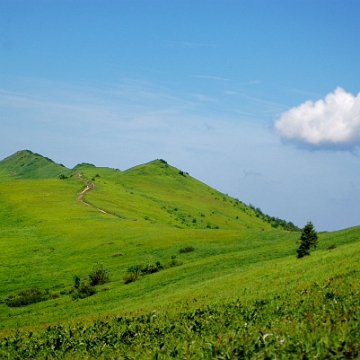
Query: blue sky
column 258, row 99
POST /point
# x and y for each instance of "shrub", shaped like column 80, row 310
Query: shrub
column 83, row 291
column 29, row 296
column 130, row 277
column 186, row 249
column 134, row 269
column 150, row 269
column 174, row 262
column 76, row 281
column 99, row 275
column 132, row 274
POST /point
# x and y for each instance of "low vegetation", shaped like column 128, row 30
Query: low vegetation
column 82, row 291
column 29, row 296
column 321, row 322
column 186, row 249
column 99, row 275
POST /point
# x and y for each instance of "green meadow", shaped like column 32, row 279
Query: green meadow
column 224, row 282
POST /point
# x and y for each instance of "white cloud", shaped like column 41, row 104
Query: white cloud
column 332, row 123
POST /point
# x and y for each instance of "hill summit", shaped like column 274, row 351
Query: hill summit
column 28, row 165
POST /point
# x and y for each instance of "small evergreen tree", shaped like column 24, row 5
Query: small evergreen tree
column 308, row 239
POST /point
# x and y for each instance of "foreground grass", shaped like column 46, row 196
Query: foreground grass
column 308, row 319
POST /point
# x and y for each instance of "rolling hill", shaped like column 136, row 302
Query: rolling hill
column 194, row 247
column 28, row 165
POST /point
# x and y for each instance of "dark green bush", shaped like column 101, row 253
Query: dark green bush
column 174, row 262
column 76, row 281
column 186, row 249
column 130, row 277
column 83, row 291
column 29, row 296
column 99, row 275
column 330, row 247
column 136, row 269
column 150, row 268
column 132, row 274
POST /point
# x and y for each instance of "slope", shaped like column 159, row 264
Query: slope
column 157, row 192
column 47, row 237
column 28, row 165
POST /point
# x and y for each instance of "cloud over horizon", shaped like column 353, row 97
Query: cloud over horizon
column 332, row 123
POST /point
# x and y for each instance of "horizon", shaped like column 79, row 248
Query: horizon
column 259, row 100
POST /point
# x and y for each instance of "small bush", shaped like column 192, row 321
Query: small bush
column 130, row 277
column 83, row 291
column 76, row 281
column 174, row 262
column 186, row 249
column 330, row 247
column 136, row 269
column 99, row 275
column 150, row 268
column 132, row 274
column 29, row 296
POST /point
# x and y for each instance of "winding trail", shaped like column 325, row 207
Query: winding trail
column 89, row 186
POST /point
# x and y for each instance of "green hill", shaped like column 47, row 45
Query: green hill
column 198, row 253
column 28, row 165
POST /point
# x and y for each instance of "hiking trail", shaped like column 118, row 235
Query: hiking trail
column 89, row 186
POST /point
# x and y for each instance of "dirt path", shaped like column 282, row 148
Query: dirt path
column 89, row 186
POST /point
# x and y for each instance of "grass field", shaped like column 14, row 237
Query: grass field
column 239, row 266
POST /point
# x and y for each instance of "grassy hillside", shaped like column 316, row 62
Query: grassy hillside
column 28, row 165
column 146, row 215
column 159, row 193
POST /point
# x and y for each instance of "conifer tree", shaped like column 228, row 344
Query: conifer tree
column 308, row 239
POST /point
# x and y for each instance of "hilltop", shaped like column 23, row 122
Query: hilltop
column 28, row 165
